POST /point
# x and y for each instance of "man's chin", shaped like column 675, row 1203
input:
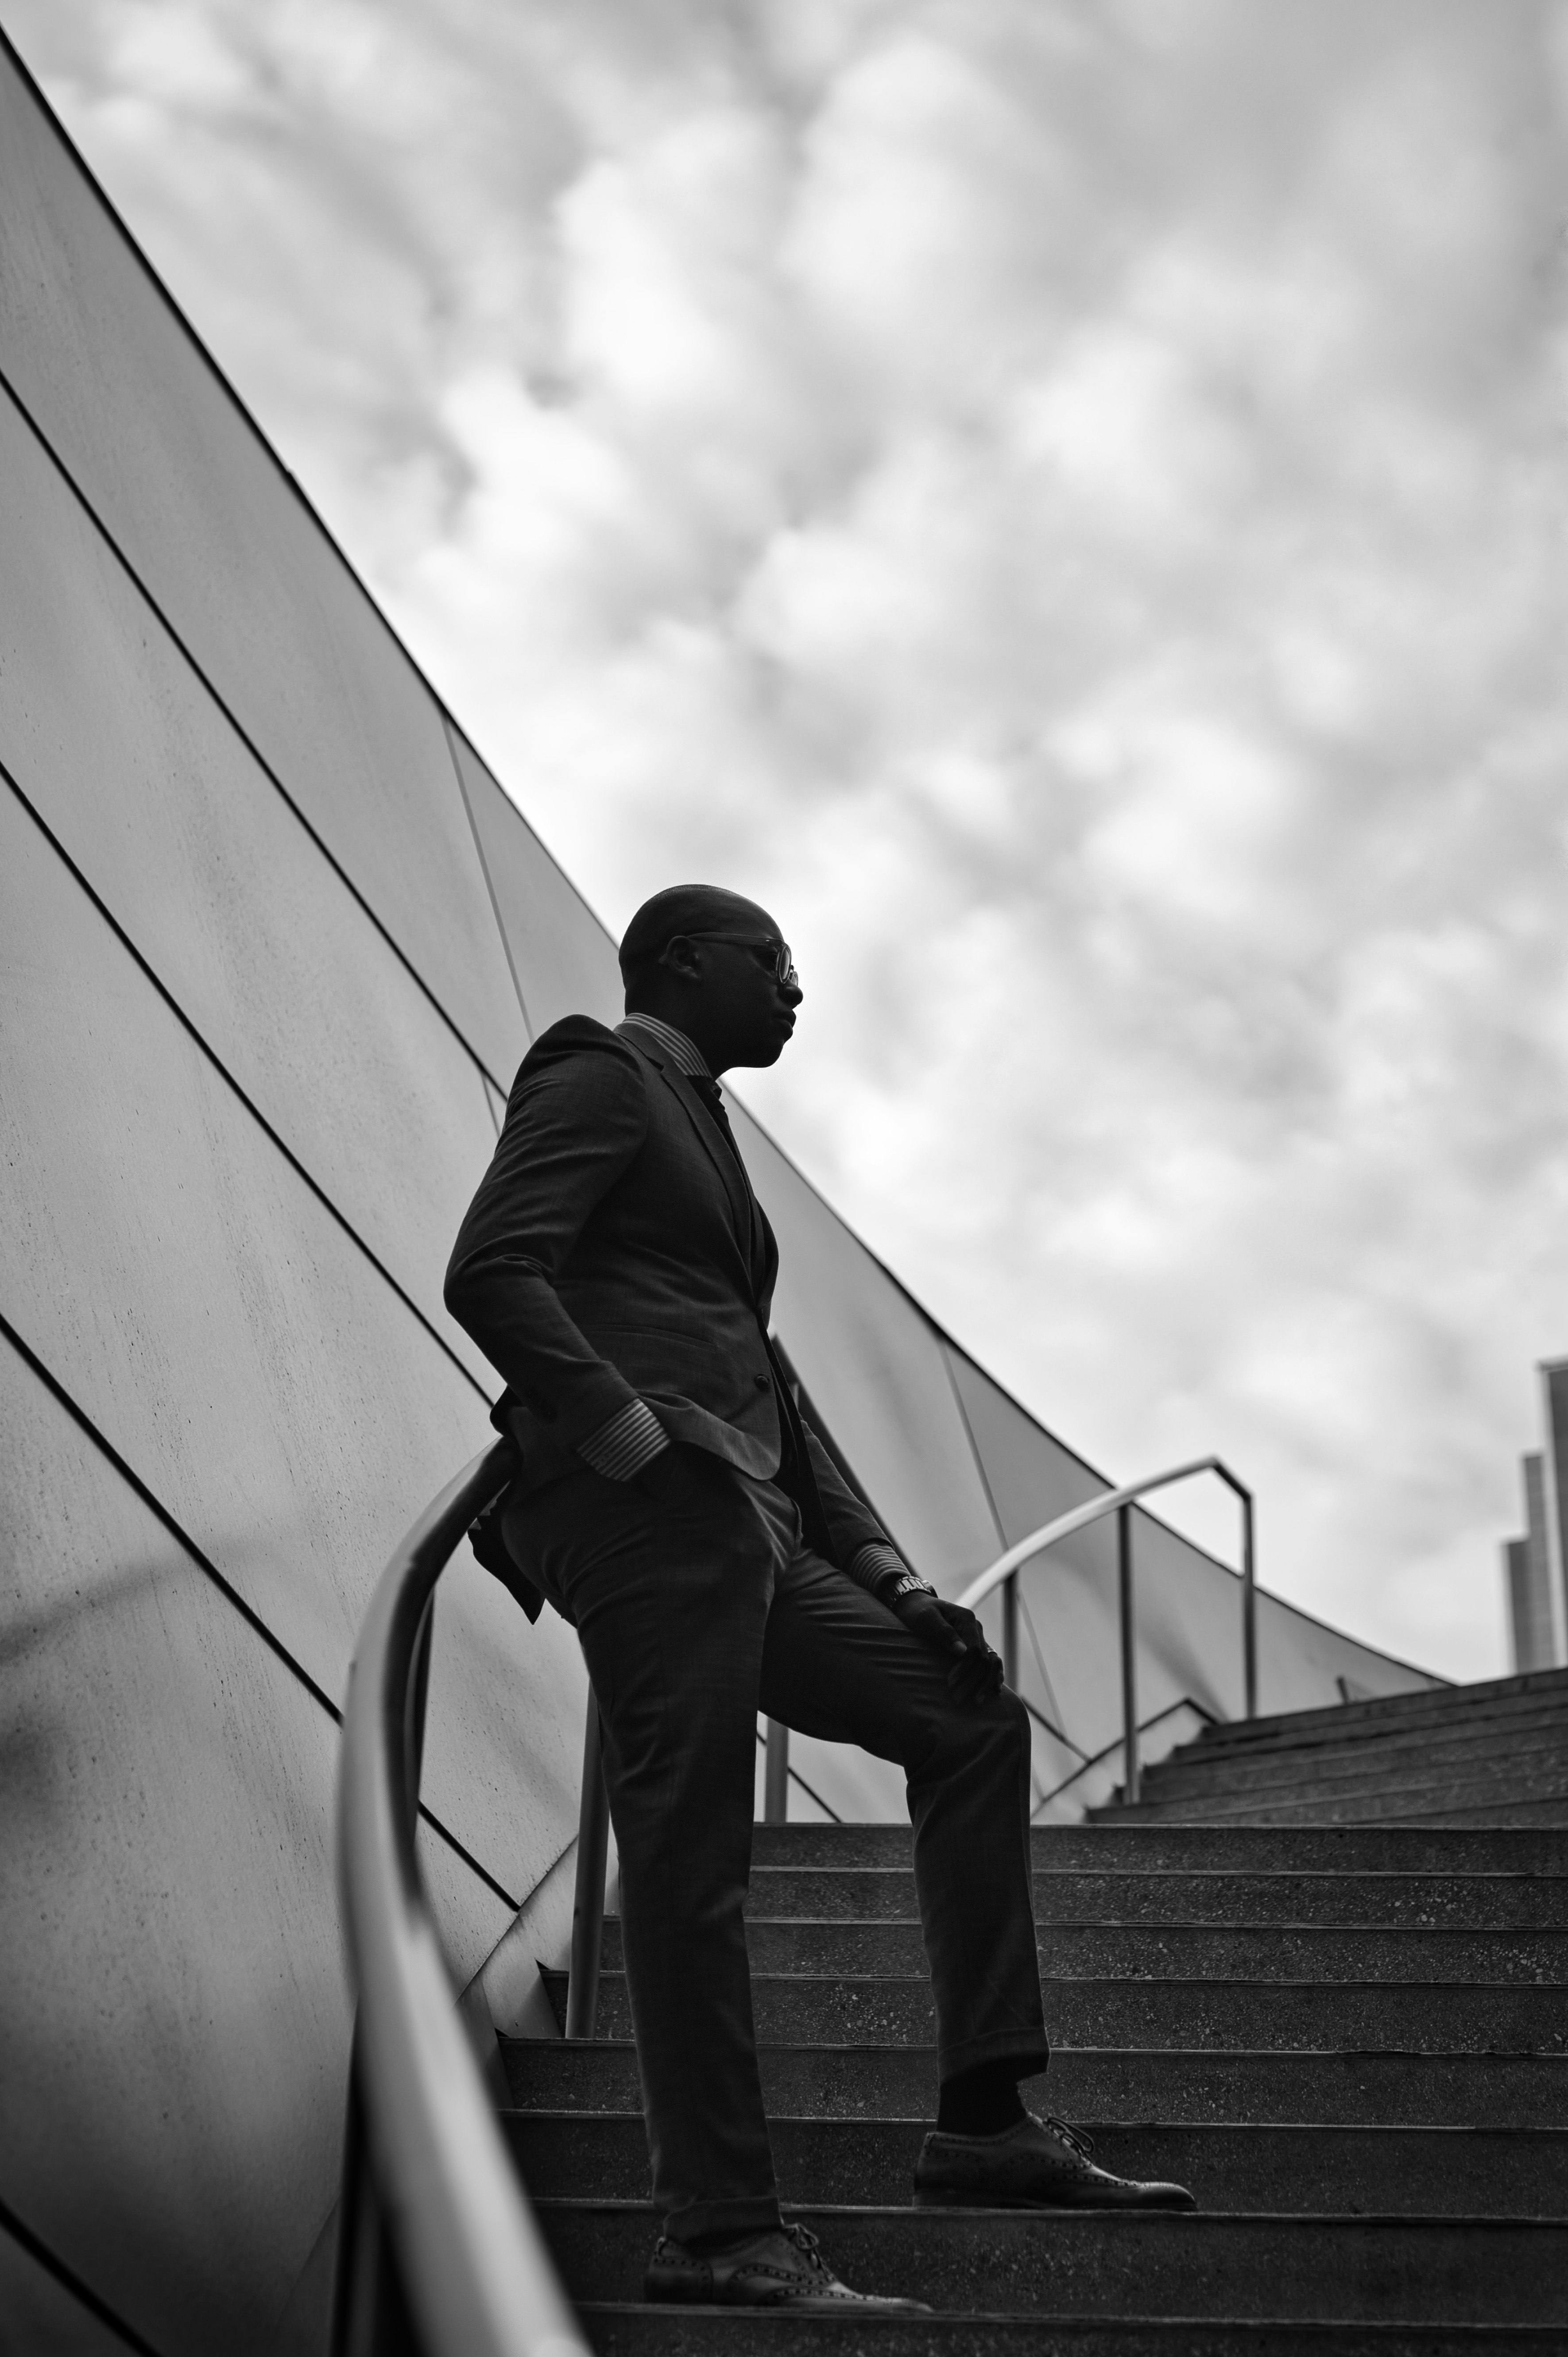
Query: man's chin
column 763, row 1054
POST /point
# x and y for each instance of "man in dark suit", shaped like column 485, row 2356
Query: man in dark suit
column 618, row 1270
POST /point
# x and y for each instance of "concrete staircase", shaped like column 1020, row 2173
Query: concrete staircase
column 1481, row 1755
column 1350, row 2040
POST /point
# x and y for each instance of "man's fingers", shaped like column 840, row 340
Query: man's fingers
column 975, row 1672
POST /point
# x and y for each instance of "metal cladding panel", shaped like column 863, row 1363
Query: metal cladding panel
column 219, row 538
column 1188, row 1607
column 875, row 1368
column 856, row 1786
column 212, row 1317
column 173, row 2013
column 469, row 1917
column 564, row 960
column 1301, row 1662
column 42, row 2318
column 1031, row 1475
column 1072, row 1593
column 503, row 1746
column 116, row 743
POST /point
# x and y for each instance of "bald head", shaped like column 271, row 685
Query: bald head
column 707, row 960
column 688, row 909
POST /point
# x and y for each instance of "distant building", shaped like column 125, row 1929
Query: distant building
column 1532, row 1565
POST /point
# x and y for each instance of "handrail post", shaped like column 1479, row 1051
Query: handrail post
column 1129, row 1655
column 1249, row 1610
column 589, row 1903
column 776, row 1775
column 1010, row 1633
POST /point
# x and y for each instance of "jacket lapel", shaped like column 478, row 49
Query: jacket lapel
column 727, row 1164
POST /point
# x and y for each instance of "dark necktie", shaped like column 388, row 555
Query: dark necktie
column 712, row 1100
column 712, row 1097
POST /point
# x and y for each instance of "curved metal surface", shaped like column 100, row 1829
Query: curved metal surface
column 478, row 2275
column 219, row 535
column 1090, row 1512
column 1003, row 1573
column 126, row 755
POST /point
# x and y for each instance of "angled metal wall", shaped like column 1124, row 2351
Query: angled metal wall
column 256, row 1017
column 243, row 573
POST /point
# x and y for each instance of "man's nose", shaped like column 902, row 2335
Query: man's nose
column 792, row 992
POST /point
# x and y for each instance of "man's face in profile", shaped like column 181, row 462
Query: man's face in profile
column 737, row 986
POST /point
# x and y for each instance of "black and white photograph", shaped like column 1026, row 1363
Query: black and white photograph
column 784, row 1113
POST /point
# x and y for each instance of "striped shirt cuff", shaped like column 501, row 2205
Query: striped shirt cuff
column 632, row 1439
column 875, row 1565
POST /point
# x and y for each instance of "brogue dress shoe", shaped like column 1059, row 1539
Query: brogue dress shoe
column 1040, row 2163
column 782, row 2269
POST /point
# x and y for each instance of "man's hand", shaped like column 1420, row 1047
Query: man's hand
column 975, row 1672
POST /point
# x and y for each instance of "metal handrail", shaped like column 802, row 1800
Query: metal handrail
column 1003, row 1573
column 440, row 2210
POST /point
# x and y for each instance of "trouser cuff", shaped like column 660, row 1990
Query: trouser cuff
column 751, row 2213
column 1028, row 2050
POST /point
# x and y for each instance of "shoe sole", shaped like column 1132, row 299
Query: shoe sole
column 940, row 2199
column 792, row 2306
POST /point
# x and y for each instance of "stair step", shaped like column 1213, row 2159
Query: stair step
column 1078, row 1894
column 632, row 2330
column 1462, row 1753
column 1489, row 2271
column 1318, row 1975
column 1502, row 1722
column 1283, row 2085
column 1460, row 1702
column 1449, row 2172
column 1120, row 1843
column 1533, row 1771
column 1327, row 1954
column 1457, row 1802
column 1414, row 2017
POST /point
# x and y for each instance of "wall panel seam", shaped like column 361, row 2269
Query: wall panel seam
column 252, row 426
column 945, row 1346
column 154, row 607
column 218, row 1066
column 40, row 2251
column 248, row 1613
column 485, row 872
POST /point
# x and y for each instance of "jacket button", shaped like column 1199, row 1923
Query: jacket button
column 763, row 1382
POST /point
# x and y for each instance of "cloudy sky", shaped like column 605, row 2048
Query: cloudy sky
column 1065, row 502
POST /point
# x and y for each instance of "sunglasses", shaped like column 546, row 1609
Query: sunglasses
column 774, row 955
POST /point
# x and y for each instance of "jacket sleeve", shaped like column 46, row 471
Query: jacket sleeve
column 576, row 1122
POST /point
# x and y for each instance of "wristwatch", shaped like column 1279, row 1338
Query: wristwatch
column 909, row 1583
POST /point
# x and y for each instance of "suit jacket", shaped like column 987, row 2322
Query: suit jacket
column 615, row 1248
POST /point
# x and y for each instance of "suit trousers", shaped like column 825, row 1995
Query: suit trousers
column 697, row 1604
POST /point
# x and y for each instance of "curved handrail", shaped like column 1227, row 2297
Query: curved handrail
column 1081, row 1516
column 1006, row 1568
column 468, row 2251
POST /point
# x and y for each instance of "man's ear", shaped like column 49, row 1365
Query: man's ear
column 679, row 956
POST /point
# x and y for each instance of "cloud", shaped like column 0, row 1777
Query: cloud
column 1064, row 506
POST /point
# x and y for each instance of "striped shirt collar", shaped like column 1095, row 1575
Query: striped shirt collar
column 683, row 1052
